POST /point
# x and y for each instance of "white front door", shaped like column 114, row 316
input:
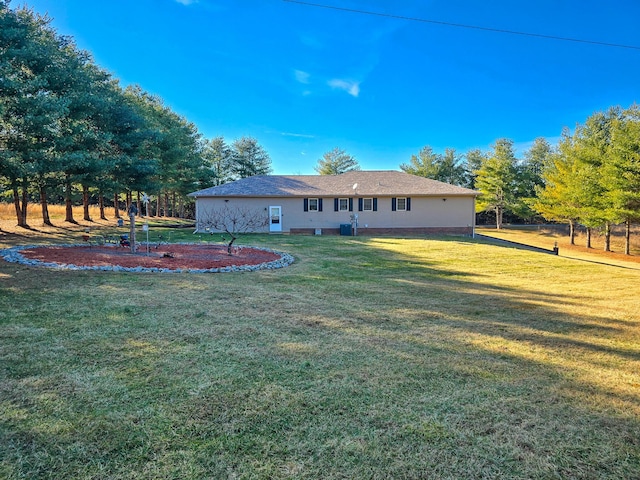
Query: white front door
column 275, row 219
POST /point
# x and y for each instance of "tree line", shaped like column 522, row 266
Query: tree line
column 507, row 184
column 590, row 178
column 68, row 130
column 593, row 178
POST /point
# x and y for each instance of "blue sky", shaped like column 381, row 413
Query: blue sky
column 303, row 79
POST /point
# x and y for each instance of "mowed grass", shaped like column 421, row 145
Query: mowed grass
column 367, row 358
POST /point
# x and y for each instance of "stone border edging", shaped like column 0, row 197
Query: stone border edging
column 13, row 255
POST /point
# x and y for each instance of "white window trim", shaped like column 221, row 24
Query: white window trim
column 317, row 202
column 364, row 204
column 346, row 205
column 398, row 204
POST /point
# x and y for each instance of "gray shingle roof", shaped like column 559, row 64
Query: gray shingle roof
column 369, row 183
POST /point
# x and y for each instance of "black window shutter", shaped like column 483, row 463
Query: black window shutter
column 359, row 204
column 335, row 204
column 351, row 204
column 306, row 204
column 408, row 204
column 375, row 204
column 393, row 204
column 319, row 204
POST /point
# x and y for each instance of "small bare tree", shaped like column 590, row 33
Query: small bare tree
column 232, row 221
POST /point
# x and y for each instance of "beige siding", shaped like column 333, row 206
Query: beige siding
column 430, row 212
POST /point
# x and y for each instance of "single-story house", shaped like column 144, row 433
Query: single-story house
column 361, row 202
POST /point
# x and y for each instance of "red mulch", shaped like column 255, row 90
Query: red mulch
column 172, row 257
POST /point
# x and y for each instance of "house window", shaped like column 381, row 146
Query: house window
column 368, row 204
column 343, row 204
column 313, row 204
column 400, row 203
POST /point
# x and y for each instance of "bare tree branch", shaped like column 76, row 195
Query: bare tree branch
column 232, row 221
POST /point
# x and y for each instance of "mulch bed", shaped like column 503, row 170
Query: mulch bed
column 170, row 257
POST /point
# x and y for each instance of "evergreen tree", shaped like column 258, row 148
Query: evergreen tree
column 447, row 168
column 31, row 110
column 496, row 179
column 560, row 198
column 622, row 170
column 249, row 158
column 530, row 176
column 425, row 164
column 475, row 158
column 335, row 162
column 218, row 162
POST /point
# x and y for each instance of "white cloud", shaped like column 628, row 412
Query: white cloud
column 349, row 86
column 302, row 77
column 297, row 135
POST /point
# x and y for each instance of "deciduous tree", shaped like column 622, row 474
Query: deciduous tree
column 233, row 221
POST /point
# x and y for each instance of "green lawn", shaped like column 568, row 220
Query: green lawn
column 371, row 358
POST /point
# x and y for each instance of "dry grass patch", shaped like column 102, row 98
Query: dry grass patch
column 544, row 236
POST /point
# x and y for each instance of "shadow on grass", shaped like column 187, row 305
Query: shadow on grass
column 445, row 358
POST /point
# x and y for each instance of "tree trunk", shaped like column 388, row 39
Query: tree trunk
column 627, row 237
column 230, row 245
column 132, row 231
column 21, row 219
column 139, row 202
column 572, row 232
column 181, row 207
column 160, row 212
column 173, row 205
column 85, row 203
column 25, row 200
column 607, row 237
column 498, row 218
column 101, row 205
column 67, row 200
column 46, row 220
column 167, row 212
column 116, row 205
column 588, row 237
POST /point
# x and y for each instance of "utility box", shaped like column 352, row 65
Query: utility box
column 345, row 229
